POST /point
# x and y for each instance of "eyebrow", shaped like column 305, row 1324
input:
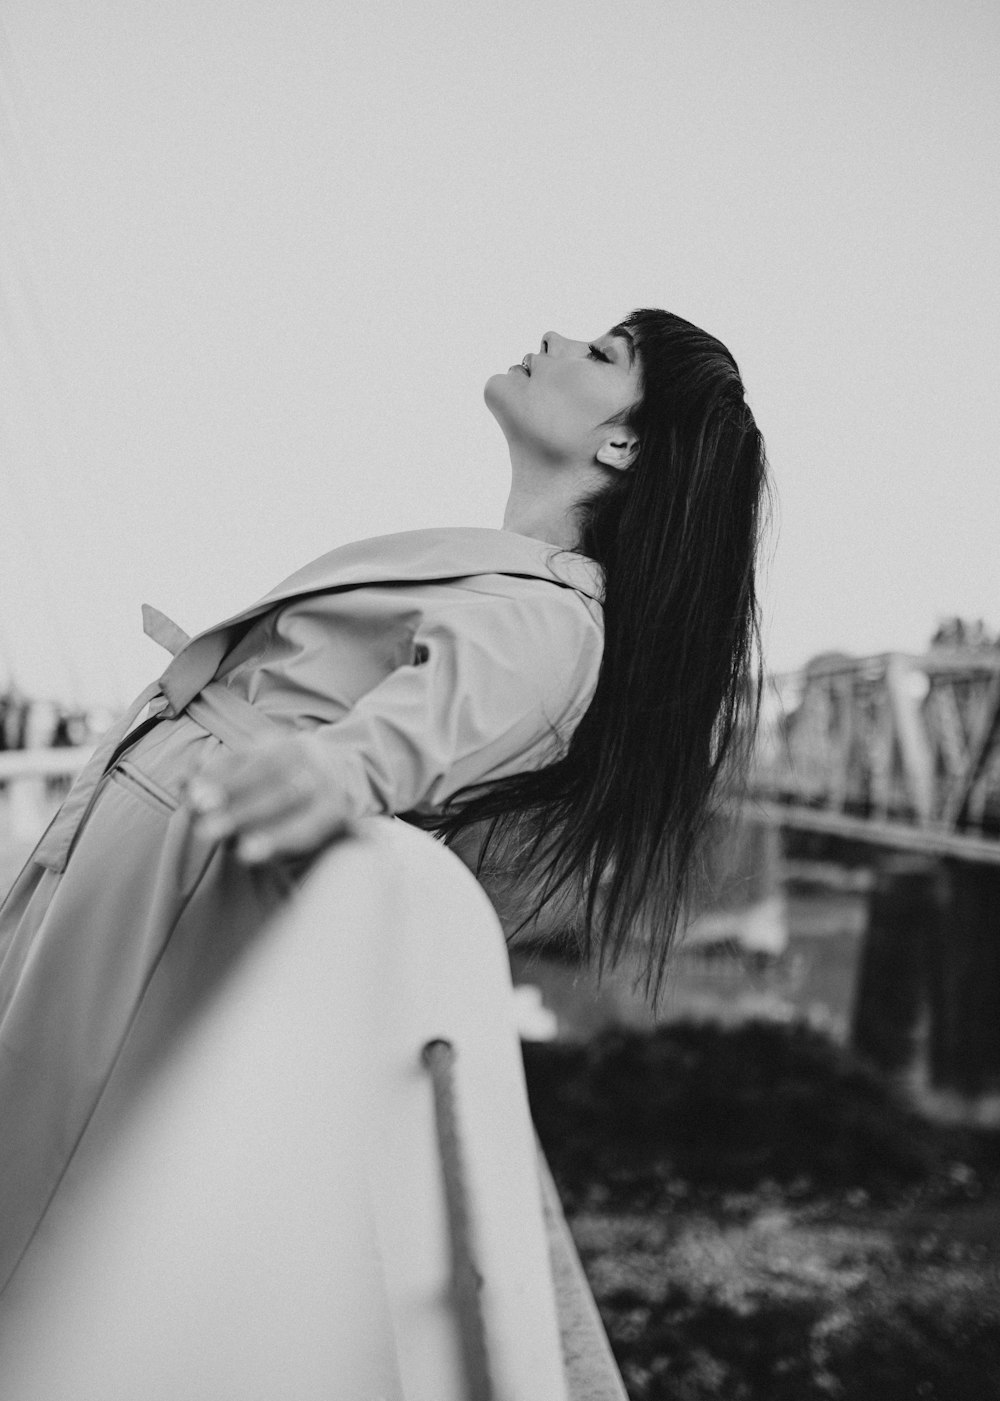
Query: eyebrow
column 624, row 334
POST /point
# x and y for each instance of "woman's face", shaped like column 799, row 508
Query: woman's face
column 555, row 405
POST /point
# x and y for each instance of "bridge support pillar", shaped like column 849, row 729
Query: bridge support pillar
column 927, row 1007
column 905, row 911
column 964, row 991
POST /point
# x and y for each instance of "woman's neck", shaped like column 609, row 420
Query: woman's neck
column 534, row 520
column 546, row 506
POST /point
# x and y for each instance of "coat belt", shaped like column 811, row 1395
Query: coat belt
column 184, row 686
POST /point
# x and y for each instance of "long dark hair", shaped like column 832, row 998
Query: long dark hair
column 618, row 818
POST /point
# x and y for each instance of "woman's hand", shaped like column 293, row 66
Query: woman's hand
column 273, row 799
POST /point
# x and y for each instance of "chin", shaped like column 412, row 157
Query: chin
column 506, row 404
column 493, row 385
column 495, row 392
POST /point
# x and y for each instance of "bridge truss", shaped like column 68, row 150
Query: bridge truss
column 894, row 750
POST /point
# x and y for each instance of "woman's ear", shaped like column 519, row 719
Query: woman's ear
column 619, row 450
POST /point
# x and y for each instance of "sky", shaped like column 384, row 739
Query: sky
column 258, row 259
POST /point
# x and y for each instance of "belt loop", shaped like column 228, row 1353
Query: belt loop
column 193, row 668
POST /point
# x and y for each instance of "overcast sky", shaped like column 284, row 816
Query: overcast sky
column 257, row 260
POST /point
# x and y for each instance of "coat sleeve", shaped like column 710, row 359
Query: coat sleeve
column 494, row 688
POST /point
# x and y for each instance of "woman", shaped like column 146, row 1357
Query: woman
column 572, row 685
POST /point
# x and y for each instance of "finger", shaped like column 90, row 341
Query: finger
column 254, row 811
column 247, row 790
column 297, row 836
column 229, row 776
column 205, row 794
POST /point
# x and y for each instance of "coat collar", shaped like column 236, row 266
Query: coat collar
column 453, row 552
column 409, row 556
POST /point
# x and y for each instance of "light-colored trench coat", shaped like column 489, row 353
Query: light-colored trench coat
column 411, row 665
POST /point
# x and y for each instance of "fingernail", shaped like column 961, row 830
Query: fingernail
column 205, row 796
column 252, row 849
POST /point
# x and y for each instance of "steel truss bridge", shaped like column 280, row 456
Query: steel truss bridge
column 894, row 750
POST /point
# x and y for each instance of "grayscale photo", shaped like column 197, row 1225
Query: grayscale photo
column 499, row 701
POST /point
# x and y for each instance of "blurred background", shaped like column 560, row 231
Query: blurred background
column 257, row 261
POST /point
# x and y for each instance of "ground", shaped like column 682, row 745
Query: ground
column 762, row 1220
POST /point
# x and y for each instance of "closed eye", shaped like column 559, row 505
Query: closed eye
column 599, row 354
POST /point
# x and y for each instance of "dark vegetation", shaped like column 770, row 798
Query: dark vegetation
column 763, row 1219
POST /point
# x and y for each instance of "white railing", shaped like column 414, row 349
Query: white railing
column 21, row 764
column 264, row 1201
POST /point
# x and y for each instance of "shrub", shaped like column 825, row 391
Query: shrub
column 721, row 1109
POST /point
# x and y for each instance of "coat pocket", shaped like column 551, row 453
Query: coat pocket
column 142, row 786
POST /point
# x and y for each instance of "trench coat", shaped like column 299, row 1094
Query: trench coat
column 411, row 665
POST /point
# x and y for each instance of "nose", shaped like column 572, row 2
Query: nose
column 555, row 344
